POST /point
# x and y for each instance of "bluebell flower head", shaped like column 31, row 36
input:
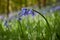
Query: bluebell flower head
column 31, row 12
column 24, row 11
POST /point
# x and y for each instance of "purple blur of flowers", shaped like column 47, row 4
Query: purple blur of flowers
column 57, row 8
column 1, row 17
column 52, row 9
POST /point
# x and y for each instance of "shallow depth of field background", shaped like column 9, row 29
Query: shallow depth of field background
column 30, row 27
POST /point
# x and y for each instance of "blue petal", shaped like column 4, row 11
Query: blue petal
column 31, row 12
column 24, row 11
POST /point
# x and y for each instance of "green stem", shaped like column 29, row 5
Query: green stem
column 42, row 16
column 45, row 20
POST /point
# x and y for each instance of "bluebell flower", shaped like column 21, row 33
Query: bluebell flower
column 24, row 11
column 31, row 12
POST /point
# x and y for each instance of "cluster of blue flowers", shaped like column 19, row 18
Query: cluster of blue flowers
column 24, row 12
